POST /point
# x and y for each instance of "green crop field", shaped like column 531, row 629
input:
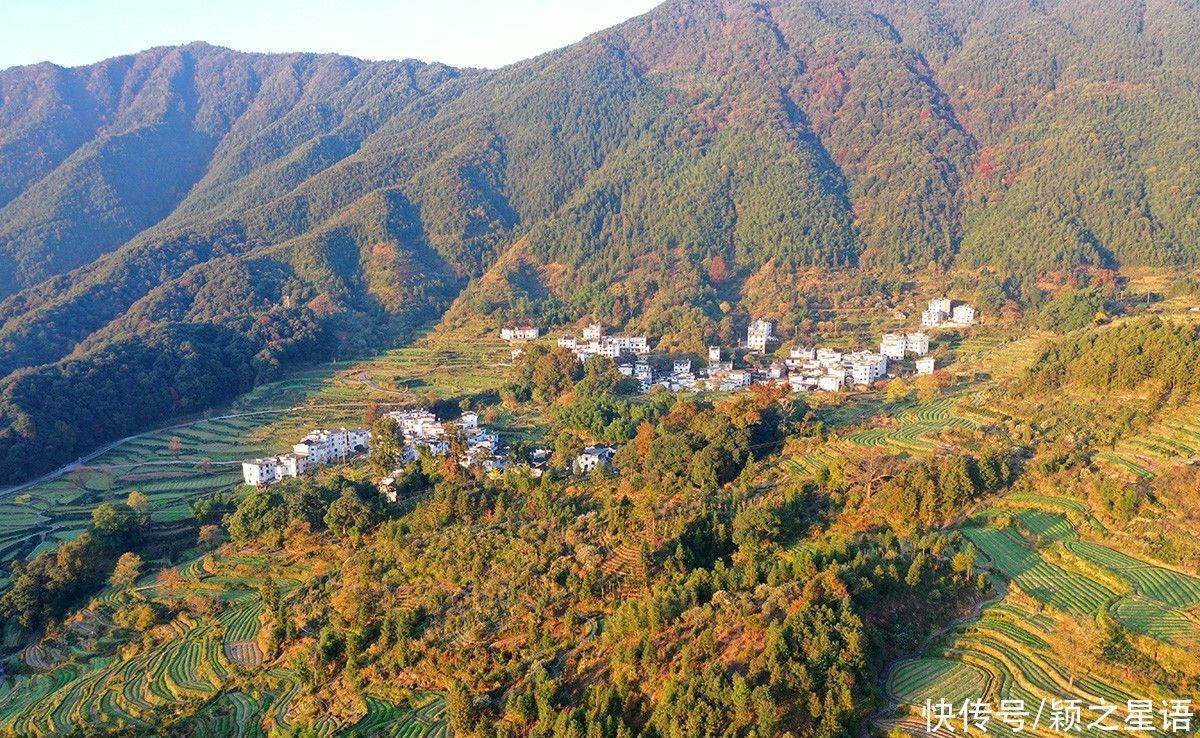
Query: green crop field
column 189, row 662
column 1061, row 588
column 1013, row 652
column 1165, row 586
column 954, row 681
column 1152, row 619
column 917, row 427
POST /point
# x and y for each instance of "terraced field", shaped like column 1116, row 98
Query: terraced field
column 1155, row 620
column 1164, row 586
column 1012, row 652
column 190, row 660
column 1170, row 441
column 918, row 428
column 955, row 681
column 1061, row 588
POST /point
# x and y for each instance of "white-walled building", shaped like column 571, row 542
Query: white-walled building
column 593, row 458
column 800, row 355
column 520, row 333
column 829, row 357
column 942, row 310
column 318, row 448
column 917, row 343
column 417, row 423
column 925, row 365
column 681, row 366
column 830, row 382
column 893, row 345
column 325, row 446
column 759, row 335
column 595, row 343
column 714, row 354
column 261, row 471
column 896, row 345
column 864, row 367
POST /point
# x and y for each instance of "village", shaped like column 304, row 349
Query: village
column 805, row 368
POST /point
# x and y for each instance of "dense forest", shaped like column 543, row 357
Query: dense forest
column 1150, row 356
column 665, row 171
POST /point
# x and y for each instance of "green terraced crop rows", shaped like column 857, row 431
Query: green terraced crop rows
column 1165, row 586
column 936, row 678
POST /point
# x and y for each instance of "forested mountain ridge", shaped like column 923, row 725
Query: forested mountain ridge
column 703, row 146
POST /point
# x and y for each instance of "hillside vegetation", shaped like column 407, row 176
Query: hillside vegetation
column 673, row 170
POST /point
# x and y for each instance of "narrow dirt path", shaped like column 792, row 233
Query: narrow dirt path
column 864, row 729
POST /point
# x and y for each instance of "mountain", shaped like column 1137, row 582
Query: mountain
column 707, row 152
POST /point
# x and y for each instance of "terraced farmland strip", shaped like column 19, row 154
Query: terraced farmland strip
column 1166, row 586
column 1152, row 619
column 1064, row 589
column 1047, row 525
column 1135, row 469
column 917, row 680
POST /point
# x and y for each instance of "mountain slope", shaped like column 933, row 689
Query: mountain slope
column 655, row 171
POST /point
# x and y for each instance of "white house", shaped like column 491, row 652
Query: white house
column 261, row 471
column 925, row 365
column 941, row 305
column 593, row 332
column 568, row 342
column 520, row 333
column 630, row 344
column 714, row 354
column 865, row 367
column 917, row 343
column 829, row 357
column 830, row 382
column 324, row 446
column 798, row 355
column 802, row 383
column 681, row 366
column 759, row 334
column 292, row 465
column 317, row 448
column 893, row 345
column 592, row 458
column 963, row 314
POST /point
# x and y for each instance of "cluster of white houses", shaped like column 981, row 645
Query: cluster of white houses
column 423, row 431
column 805, row 369
column 595, row 343
column 942, row 312
column 318, row 448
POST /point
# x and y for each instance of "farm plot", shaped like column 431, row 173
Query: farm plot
column 1021, row 653
column 1152, row 619
column 1002, row 655
column 1171, row 441
column 1046, row 526
column 954, row 681
column 190, row 659
column 425, row 719
column 1066, row 590
column 915, row 428
column 1165, row 586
